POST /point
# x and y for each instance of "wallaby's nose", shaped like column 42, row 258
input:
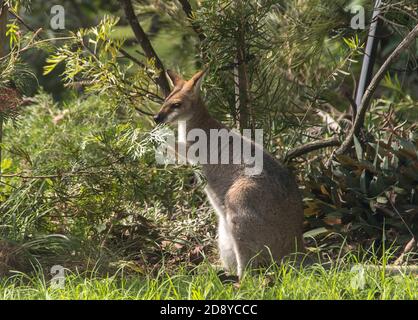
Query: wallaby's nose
column 158, row 119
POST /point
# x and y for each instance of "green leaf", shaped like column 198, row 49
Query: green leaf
column 385, row 164
column 52, row 62
column 315, row 232
column 363, row 182
column 359, row 149
column 6, row 164
column 382, row 200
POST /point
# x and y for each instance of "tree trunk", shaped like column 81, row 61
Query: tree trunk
column 3, row 51
column 3, row 23
column 241, row 75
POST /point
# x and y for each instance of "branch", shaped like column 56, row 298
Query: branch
column 22, row 176
column 312, row 146
column 368, row 95
column 127, row 55
column 82, row 172
column 408, row 248
column 36, row 32
column 187, row 8
column 3, row 27
column 122, row 51
column 241, row 79
column 3, row 42
column 146, row 45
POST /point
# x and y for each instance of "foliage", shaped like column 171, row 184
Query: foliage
column 289, row 79
column 375, row 191
column 79, row 175
column 91, row 58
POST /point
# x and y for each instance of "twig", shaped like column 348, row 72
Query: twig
column 14, row 14
column 48, row 176
column 365, row 102
column 187, row 8
column 3, row 39
column 312, row 146
column 408, row 248
column 3, row 27
column 400, row 216
column 131, row 57
column 139, row 63
column 370, row 53
column 146, row 113
column 393, row 270
column 146, row 45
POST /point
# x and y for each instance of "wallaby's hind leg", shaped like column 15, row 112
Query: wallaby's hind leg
column 242, row 240
column 246, row 224
column 226, row 246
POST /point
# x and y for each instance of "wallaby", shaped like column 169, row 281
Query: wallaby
column 260, row 216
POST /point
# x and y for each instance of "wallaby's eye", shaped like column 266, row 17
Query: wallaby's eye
column 176, row 105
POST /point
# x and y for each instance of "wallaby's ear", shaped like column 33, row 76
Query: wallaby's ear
column 196, row 81
column 174, row 78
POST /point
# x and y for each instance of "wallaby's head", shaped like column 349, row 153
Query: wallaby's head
column 183, row 101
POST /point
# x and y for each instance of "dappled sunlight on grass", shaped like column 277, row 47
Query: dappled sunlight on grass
column 202, row 282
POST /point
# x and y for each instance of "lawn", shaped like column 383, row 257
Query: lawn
column 203, row 282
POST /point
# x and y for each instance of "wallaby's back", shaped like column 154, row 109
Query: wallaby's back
column 260, row 216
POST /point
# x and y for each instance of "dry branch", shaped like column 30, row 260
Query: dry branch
column 408, row 248
column 241, row 78
column 312, row 146
column 3, row 41
column 368, row 95
column 3, row 28
column 146, row 45
column 187, row 8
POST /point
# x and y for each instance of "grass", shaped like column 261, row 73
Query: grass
column 202, row 282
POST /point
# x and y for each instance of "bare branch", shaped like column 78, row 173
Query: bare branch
column 146, row 45
column 312, row 146
column 368, row 95
column 132, row 58
column 3, row 41
column 36, row 32
column 242, row 103
column 187, row 8
column 3, row 28
column 408, row 248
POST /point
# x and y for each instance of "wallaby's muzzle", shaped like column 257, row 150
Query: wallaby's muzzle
column 158, row 118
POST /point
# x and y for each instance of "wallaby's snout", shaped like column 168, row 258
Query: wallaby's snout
column 170, row 112
column 158, row 119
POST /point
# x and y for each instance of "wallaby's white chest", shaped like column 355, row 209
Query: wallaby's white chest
column 225, row 238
